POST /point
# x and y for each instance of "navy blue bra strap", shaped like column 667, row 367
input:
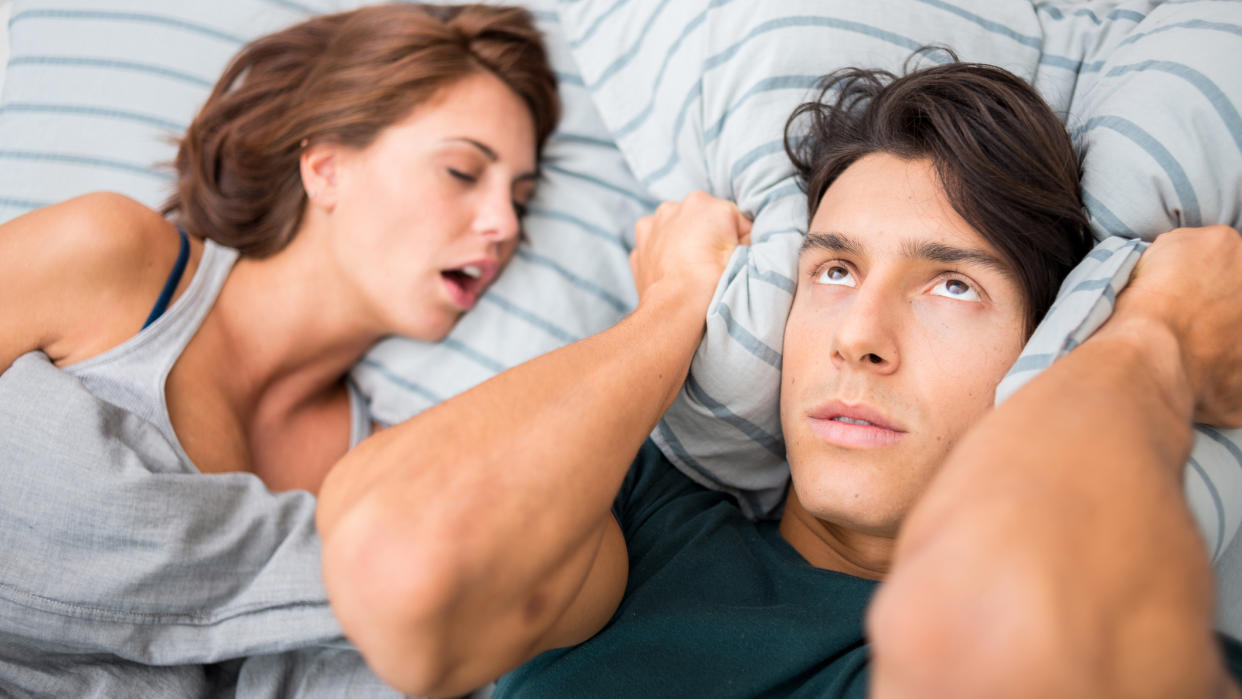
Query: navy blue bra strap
column 161, row 304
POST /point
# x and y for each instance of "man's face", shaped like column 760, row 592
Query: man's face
column 904, row 322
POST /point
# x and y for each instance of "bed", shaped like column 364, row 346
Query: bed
column 91, row 90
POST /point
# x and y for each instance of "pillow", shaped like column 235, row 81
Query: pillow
column 5, row 8
column 94, row 92
column 697, row 92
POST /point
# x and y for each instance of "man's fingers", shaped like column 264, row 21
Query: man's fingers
column 744, row 225
column 642, row 228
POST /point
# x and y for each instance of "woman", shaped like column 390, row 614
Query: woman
column 368, row 168
column 356, row 175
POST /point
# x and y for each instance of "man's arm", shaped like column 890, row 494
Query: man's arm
column 468, row 539
column 1054, row 554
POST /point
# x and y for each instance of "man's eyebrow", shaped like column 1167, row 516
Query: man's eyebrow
column 832, row 242
column 949, row 254
column 927, row 250
column 492, row 157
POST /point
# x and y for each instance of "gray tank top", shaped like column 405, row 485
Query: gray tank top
column 132, row 375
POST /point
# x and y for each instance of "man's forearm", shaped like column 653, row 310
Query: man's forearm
column 1054, row 554
column 493, row 492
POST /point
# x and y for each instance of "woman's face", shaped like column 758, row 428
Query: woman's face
column 423, row 219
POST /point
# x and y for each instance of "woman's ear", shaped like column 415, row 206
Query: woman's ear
column 319, row 165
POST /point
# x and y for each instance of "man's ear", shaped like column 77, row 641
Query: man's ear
column 319, row 164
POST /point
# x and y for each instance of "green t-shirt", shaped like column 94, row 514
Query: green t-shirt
column 716, row 606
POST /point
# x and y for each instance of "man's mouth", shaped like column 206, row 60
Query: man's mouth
column 853, row 426
column 852, row 421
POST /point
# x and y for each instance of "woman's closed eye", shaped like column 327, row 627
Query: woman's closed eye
column 955, row 288
column 462, row 175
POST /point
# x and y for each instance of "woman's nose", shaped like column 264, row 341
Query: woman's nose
column 497, row 218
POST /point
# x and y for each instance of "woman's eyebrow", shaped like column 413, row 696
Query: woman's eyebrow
column 482, row 147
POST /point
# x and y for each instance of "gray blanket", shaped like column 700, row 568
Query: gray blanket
column 126, row 572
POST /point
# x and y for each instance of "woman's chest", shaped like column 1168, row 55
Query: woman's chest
column 288, row 446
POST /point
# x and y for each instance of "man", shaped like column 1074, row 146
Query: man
column 503, row 523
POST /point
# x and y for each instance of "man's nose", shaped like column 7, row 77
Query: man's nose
column 865, row 334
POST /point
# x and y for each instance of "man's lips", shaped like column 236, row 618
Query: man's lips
column 854, row 426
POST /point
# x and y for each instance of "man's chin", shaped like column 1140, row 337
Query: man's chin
column 850, row 500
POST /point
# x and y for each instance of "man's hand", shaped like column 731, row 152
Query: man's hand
column 687, row 244
column 1190, row 280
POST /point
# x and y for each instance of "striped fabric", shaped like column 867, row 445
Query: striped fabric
column 697, row 93
column 6, row 7
column 94, row 91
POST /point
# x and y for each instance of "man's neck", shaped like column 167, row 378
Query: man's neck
column 833, row 547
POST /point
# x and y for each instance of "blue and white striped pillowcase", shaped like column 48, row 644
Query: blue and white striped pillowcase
column 95, row 93
column 6, row 7
column 716, row 80
column 91, row 94
column 1159, row 115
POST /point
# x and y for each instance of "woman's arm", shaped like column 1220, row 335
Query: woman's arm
column 468, row 539
column 1054, row 555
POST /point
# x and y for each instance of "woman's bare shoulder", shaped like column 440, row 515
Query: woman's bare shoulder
column 77, row 278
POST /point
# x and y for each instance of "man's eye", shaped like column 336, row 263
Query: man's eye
column 956, row 289
column 837, row 275
column 463, row 176
column 520, row 209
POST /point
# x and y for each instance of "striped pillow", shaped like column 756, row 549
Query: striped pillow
column 697, row 92
column 6, row 7
column 94, row 91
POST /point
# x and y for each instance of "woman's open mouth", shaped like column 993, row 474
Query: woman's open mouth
column 467, row 283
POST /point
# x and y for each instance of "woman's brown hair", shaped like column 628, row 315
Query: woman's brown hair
column 339, row 78
column 1005, row 161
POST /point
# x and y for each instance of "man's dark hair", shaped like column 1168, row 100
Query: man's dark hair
column 1003, row 157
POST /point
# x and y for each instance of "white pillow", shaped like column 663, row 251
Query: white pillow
column 697, row 93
